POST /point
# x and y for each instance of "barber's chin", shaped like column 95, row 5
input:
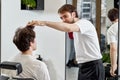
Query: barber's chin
column 34, row 49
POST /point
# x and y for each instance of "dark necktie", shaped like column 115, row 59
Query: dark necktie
column 70, row 35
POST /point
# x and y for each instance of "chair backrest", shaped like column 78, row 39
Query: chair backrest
column 23, row 78
column 12, row 66
column 4, row 78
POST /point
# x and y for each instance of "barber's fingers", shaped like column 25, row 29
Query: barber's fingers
column 32, row 23
column 36, row 23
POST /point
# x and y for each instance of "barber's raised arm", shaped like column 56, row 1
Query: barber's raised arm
column 66, row 27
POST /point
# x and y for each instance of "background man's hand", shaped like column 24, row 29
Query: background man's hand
column 113, row 69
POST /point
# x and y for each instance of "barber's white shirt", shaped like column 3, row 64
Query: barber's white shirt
column 32, row 68
column 86, row 42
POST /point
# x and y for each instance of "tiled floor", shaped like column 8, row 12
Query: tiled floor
column 71, row 73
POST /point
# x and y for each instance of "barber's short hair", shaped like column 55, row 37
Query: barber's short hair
column 23, row 37
column 68, row 8
column 113, row 14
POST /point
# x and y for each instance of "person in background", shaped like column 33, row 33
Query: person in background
column 112, row 38
column 24, row 39
column 86, row 42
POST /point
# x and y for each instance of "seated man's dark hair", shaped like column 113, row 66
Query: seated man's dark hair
column 23, row 37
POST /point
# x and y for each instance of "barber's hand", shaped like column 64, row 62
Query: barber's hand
column 36, row 23
column 113, row 69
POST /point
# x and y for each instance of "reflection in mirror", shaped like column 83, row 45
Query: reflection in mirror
column 86, row 9
column 107, row 42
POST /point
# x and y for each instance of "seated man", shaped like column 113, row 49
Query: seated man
column 24, row 39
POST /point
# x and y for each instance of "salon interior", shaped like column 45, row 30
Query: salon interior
column 54, row 51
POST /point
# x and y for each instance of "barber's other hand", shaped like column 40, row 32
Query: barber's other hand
column 36, row 23
column 113, row 69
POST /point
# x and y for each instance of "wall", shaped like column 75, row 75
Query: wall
column 110, row 5
column 50, row 42
column 105, row 22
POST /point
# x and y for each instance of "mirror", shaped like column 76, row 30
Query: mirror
column 119, row 39
column 105, row 25
column 97, row 14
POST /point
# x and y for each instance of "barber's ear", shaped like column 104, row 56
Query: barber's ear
column 73, row 14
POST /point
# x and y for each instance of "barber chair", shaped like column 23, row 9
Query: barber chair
column 12, row 66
